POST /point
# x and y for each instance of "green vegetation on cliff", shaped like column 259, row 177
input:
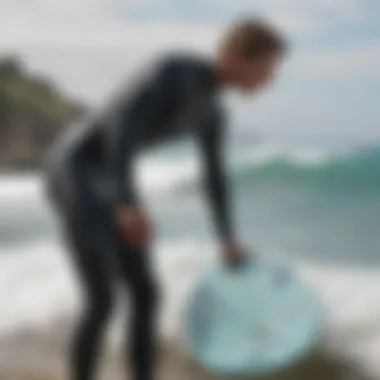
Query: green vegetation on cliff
column 32, row 112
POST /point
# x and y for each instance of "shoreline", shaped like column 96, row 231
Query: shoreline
column 39, row 354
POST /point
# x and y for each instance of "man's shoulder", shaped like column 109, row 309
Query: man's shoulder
column 174, row 69
column 182, row 61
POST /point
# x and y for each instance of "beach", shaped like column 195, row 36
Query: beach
column 40, row 355
column 36, row 346
column 318, row 211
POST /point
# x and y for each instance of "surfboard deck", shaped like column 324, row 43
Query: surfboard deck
column 258, row 318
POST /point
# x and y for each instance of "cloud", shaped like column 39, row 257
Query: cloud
column 306, row 16
column 86, row 45
column 99, row 23
column 105, row 23
column 355, row 62
column 340, row 9
column 89, row 47
column 90, row 59
column 95, row 24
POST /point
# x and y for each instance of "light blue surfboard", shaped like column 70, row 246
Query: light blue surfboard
column 258, row 318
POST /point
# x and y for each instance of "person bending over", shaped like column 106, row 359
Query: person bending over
column 90, row 181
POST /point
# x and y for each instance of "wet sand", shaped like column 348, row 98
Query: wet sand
column 39, row 355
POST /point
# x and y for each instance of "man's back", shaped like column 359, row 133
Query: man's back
column 175, row 96
column 171, row 95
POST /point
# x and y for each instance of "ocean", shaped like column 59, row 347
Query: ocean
column 315, row 206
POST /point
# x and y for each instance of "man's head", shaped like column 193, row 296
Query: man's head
column 249, row 54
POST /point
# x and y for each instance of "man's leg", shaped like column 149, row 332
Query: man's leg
column 92, row 247
column 143, row 290
column 97, row 290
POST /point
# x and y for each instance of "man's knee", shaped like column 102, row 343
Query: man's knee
column 145, row 294
column 100, row 305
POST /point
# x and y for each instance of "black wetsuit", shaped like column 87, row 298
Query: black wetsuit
column 90, row 173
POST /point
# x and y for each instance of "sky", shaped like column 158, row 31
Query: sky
column 329, row 85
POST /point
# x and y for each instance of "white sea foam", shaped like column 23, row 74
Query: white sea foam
column 160, row 176
column 37, row 286
column 267, row 153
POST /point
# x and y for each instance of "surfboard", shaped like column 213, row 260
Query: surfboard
column 258, row 318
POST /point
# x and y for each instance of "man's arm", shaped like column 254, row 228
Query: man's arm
column 217, row 186
column 131, row 125
column 129, row 128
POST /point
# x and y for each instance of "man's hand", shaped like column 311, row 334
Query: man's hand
column 233, row 254
column 134, row 226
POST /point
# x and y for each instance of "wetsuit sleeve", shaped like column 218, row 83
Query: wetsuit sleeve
column 131, row 126
column 215, row 178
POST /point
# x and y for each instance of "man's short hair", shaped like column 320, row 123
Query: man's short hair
column 253, row 38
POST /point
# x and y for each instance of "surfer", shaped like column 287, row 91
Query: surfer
column 90, row 180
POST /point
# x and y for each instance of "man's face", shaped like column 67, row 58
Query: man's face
column 257, row 73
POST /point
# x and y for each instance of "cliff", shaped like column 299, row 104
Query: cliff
column 32, row 112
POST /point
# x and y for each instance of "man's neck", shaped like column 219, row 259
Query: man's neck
column 222, row 76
